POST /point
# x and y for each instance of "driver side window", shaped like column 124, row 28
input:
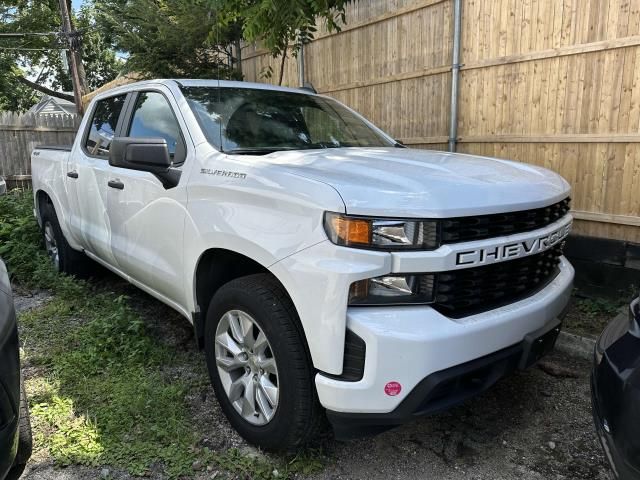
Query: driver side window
column 153, row 118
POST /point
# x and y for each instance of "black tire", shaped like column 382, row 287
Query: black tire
column 69, row 261
column 25, row 441
column 298, row 417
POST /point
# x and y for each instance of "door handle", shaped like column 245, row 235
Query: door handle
column 72, row 174
column 116, row 184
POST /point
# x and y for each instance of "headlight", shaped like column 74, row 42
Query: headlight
column 392, row 290
column 381, row 233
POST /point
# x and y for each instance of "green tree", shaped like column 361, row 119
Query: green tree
column 14, row 96
column 194, row 38
column 168, row 38
column 283, row 24
column 35, row 62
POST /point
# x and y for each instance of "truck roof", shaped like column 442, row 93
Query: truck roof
column 188, row 82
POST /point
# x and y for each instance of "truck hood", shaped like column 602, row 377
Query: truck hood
column 422, row 183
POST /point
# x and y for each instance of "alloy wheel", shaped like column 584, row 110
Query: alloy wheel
column 51, row 245
column 247, row 367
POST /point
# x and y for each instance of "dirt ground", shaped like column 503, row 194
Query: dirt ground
column 533, row 425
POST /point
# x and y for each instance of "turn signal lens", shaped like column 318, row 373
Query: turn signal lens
column 349, row 231
column 381, row 233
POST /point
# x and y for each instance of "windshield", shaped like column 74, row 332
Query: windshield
column 256, row 121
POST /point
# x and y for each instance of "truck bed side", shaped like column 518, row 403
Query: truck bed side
column 48, row 177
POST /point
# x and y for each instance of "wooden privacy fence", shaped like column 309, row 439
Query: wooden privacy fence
column 549, row 82
column 21, row 133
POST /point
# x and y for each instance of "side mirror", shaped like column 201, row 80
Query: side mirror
column 144, row 154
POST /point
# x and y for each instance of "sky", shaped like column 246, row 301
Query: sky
column 77, row 3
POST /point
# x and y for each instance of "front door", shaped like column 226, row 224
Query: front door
column 147, row 220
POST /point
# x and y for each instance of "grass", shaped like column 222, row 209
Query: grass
column 97, row 387
column 590, row 315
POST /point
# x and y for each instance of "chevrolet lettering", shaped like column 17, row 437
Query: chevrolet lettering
column 512, row 250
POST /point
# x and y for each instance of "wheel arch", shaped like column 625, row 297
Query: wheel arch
column 42, row 199
column 215, row 268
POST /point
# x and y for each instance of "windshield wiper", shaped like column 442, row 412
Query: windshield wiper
column 256, row 150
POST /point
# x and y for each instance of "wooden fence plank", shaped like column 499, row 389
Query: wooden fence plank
column 20, row 133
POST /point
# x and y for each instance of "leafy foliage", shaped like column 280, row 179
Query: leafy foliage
column 186, row 38
column 14, row 97
column 277, row 24
column 20, row 242
column 168, row 38
column 40, row 57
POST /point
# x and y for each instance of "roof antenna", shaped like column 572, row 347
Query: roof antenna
column 309, row 87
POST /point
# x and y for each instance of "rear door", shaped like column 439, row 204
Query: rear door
column 147, row 220
column 88, row 175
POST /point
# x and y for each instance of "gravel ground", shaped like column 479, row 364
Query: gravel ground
column 533, row 425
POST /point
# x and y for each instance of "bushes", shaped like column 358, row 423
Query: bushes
column 20, row 242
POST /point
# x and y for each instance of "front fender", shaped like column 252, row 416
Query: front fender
column 318, row 280
column 263, row 216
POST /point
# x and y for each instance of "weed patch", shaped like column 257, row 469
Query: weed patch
column 590, row 315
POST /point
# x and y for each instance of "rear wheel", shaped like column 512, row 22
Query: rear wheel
column 259, row 365
column 63, row 257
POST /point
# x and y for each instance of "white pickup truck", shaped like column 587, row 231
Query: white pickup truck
column 326, row 269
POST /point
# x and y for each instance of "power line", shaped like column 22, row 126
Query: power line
column 30, row 49
column 22, row 35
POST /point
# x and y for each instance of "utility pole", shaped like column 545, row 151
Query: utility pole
column 73, row 40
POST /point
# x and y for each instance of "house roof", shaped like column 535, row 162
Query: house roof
column 49, row 105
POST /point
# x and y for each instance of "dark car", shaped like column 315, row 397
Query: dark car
column 615, row 387
column 15, row 429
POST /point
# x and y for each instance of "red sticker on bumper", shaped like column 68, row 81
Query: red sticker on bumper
column 392, row 389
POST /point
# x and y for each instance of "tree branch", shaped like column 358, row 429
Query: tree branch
column 284, row 59
column 44, row 89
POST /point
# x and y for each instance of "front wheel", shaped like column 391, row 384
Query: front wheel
column 259, row 365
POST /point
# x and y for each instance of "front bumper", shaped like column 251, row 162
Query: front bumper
column 409, row 344
column 447, row 388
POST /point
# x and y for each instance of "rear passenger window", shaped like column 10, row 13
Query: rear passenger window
column 103, row 125
column 153, row 118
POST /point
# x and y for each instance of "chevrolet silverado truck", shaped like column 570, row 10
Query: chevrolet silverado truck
column 326, row 269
